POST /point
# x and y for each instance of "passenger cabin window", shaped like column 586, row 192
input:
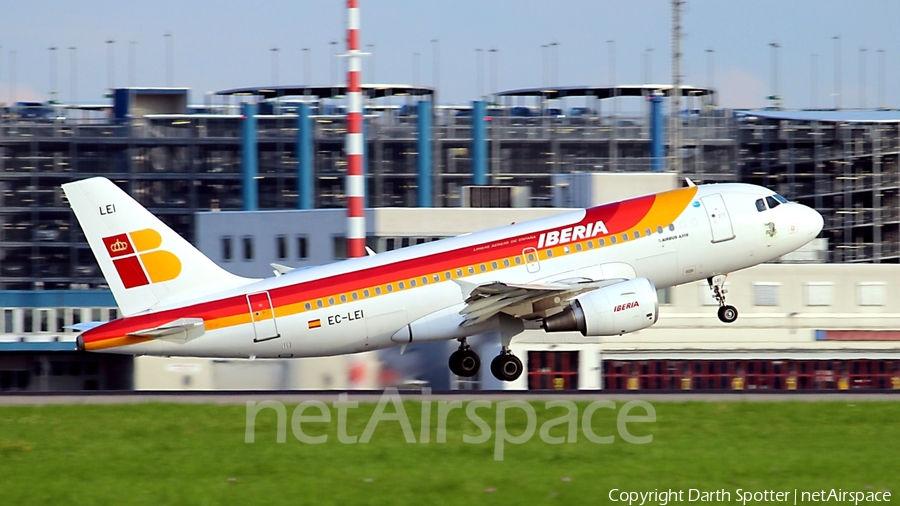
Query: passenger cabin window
column 772, row 202
column 760, row 205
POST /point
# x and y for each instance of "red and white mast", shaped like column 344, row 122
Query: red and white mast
column 356, row 221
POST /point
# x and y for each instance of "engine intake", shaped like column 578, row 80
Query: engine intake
column 609, row 311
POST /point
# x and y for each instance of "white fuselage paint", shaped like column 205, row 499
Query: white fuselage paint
column 679, row 255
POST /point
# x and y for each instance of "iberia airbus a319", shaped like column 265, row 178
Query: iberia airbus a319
column 595, row 271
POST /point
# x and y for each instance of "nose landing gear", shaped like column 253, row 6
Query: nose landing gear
column 726, row 313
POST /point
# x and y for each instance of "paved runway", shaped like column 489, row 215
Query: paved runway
column 294, row 396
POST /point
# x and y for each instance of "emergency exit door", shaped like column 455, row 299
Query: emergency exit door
column 719, row 221
column 263, row 317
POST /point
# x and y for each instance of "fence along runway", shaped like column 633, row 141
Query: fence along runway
column 296, row 397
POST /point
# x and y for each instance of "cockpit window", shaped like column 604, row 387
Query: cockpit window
column 772, row 202
column 760, row 205
column 781, row 199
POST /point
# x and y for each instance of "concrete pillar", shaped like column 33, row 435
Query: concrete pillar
column 589, row 367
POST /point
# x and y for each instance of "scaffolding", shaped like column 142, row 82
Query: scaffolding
column 847, row 170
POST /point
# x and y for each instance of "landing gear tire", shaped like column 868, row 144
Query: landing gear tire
column 506, row 367
column 728, row 314
column 465, row 362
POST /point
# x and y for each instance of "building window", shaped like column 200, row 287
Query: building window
column 248, row 248
column 226, row 248
column 819, row 294
column 339, row 247
column 302, row 251
column 871, row 293
column 281, row 247
column 7, row 321
column 766, row 294
column 389, row 244
column 664, row 295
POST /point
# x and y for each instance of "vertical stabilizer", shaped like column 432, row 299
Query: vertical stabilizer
column 145, row 263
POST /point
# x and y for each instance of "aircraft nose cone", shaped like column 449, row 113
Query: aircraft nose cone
column 814, row 222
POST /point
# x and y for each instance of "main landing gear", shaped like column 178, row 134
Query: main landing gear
column 464, row 361
column 726, row 313
column 505, row 366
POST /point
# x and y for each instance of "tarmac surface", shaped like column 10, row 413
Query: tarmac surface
column 295, row 396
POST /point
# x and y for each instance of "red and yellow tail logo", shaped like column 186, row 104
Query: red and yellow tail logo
column 138, row 260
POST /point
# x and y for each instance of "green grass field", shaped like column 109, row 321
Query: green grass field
column 196, row 454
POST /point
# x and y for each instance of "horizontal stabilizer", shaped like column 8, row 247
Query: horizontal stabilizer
column 279, row 269
column 181, row 330
column 84, row 326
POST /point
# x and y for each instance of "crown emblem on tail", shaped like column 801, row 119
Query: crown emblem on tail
column 118, row 246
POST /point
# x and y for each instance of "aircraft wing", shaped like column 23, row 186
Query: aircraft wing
column 182, row 330
column 527, row 301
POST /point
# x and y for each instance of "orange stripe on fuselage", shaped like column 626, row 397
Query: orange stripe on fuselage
column 639, row 214
column 114, row 342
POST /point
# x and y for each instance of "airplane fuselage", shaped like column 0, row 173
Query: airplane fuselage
column 357, row 305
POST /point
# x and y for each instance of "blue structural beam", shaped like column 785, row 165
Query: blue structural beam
column 479, row 143
column 56, row 298
column 121, row 104
column 423, row 147
column 657, row 134
column 249, row 157
column 304, row 158
column 39, row 347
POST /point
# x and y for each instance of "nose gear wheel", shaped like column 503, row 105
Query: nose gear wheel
column 726, row 313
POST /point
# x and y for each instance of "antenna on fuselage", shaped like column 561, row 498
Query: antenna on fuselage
column 689, row 182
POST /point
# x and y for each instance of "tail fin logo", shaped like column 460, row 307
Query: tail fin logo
column 138, row 259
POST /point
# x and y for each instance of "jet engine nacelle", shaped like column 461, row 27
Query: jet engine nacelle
column 609, row 311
